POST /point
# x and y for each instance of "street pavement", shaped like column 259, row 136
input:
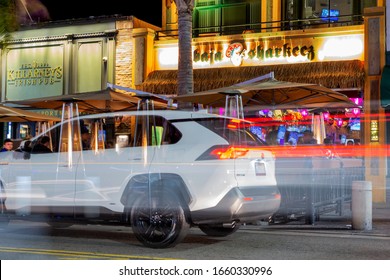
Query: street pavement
column 341, row 224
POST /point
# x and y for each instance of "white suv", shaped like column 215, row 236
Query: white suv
column 160, row 172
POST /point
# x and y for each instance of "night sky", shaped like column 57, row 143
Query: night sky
column 146, row 10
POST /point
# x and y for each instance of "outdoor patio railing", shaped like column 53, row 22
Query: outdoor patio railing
column 313, row 186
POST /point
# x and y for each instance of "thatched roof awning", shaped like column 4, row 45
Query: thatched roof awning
column 330, row 74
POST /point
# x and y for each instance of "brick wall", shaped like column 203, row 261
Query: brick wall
column 124, row 54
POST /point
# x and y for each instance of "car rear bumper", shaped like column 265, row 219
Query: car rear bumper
column 241, row 204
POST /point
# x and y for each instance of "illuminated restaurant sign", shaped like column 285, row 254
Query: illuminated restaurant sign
column 236, row 53
column 374, row 131
column 265, row 51
column 34, row 72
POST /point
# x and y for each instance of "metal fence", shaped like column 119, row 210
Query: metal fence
column 265, row 26
column 311, row 187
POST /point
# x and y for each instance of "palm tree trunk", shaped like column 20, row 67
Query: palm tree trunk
column 185, row 69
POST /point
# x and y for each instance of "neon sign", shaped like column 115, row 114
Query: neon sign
column 237, row 52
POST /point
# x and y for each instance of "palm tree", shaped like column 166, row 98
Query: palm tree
column 13, row 13
column 185, row 70
column 8, row 18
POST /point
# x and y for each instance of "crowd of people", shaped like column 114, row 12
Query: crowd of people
column 334, row 134
column 42, row 145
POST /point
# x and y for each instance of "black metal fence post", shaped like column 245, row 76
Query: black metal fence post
column 310, row 193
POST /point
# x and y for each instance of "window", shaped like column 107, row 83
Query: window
column 303, row 13
column 117, row 131
column 234, row 133
column 154, row 131
column 53, row 136
column 225, row 16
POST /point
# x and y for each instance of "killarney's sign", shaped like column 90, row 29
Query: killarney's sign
column 34, row 72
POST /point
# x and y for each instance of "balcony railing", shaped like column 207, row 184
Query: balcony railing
column 269, row 26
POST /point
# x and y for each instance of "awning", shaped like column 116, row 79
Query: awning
column 385, row 86
column 107, row 100
column 271, row 93
column 10, row 114
column 331, row 74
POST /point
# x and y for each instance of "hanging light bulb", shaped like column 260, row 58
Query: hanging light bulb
column 356, row 111
column 326, row 115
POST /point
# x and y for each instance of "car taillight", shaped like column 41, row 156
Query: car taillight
column 224, row 152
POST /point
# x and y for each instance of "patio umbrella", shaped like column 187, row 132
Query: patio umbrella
column 91, row 102
column 272, row 94
column 11, row 114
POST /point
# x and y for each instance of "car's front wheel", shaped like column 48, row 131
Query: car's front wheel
column 219, row 230
column 159, row 220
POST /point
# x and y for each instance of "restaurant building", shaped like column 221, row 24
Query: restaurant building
column 337, row 44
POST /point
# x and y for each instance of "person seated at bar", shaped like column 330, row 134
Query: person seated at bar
column 42, row 146
column 328, row 141
column 308, row 138
column 85, row 138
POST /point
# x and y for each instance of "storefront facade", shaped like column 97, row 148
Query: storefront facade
column 337, row 44
column 331, row 55
column 69, row 57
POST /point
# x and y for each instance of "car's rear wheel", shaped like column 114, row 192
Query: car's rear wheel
column 159, row 221
column 219, row 230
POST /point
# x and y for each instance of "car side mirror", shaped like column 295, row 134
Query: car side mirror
column 26, row 147
column 26, row 155
column 19, row 154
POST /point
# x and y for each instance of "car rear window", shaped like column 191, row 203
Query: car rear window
column 235, row 132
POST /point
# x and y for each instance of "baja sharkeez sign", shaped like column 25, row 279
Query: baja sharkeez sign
column 266, row 51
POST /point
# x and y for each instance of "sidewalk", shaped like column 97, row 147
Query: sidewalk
column 381, row 218
column 332, row 223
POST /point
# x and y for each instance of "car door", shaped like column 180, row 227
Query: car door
column 104, row 173
column 41, row 182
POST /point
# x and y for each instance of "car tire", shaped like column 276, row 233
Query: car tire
column 161, row 225
column 218, row 230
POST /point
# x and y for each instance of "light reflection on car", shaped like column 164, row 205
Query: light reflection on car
column 160, row 173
